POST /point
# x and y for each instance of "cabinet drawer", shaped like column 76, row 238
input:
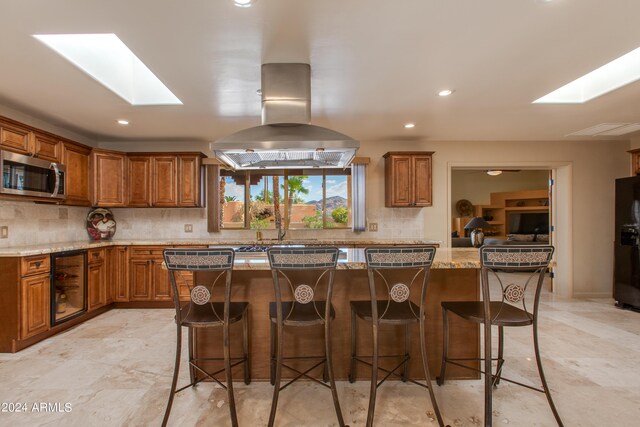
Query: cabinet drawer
column 35, row 265
column 96, row 256
column 146, row 252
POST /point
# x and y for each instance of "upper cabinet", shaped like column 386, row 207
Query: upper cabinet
column 155, row 179
column 76, row 158
column 109, row 178
column 635, row 162
column 408, row 179
column 22, row 139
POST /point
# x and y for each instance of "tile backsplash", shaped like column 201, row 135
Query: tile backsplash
column 30, row 223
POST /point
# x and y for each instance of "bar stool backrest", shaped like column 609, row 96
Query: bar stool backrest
column 309, row 274
column 498, row 264
column 208, row 259
column 404, row 266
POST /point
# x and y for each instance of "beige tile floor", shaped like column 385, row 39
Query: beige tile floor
column 115, row 370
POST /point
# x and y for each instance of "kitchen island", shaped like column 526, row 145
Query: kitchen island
column 454, row 276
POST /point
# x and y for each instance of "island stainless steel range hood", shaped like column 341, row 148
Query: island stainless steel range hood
column 286, row 139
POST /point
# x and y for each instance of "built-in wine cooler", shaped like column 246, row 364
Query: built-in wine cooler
column 68, row 285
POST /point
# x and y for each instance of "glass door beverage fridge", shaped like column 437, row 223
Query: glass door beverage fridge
column 68, row 285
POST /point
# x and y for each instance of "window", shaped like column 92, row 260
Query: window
column 316, row 198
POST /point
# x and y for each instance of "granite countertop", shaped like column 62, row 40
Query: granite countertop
column 87, row 244
column 353, row 259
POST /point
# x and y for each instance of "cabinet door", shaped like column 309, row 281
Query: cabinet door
column 76, row 159
column 117, row 274
column 97, row 286
column 139, row 181
column 46, row 147
column 189, row 181
column 161, row 282
column 141, row 276
column 398, row 184
column 165, row 173
column 108, row 179
column 14, row 138
column 34, row 305
column 422, row 180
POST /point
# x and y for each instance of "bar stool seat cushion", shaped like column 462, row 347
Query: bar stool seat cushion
column 503, row 314
column 202, row 316
column 398, row 313
column 301, row 314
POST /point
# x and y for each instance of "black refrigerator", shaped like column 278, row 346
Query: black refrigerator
column 626, row 290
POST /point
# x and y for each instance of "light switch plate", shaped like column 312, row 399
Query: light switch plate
column 373, row 226
column 4, row 232
column 188, row 228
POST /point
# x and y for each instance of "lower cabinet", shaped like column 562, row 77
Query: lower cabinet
column 96, row 280
column 150, row 281
column 117, row 274
column 34, row 305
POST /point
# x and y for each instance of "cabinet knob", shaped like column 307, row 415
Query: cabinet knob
column 37, row 264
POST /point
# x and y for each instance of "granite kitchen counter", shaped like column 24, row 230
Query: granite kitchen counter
column 48, row 248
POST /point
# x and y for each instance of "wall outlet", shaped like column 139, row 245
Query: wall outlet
column 188, row 228
column 373, row 226
column 4, row 232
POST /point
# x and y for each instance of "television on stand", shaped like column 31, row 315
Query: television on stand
column 528, row 223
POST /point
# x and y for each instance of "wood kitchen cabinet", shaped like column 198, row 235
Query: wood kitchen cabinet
column 109, row 170
column 35, row 292
column 148, row 280
column 189, row 180
column 96, row 279
column 24, row 140
column 165, row 180
column 76, row 158
column 117, row 274
column 408, row 179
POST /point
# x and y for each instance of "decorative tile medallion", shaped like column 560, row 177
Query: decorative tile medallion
column 303, row 294
column 399, row 292
column 514, row 293
column 200, row 295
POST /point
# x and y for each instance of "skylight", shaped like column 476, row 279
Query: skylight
column 617, row 73
column 108, row 60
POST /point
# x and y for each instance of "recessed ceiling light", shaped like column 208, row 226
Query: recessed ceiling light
column 494, row 172
column 108, row 60
column 409, row 125
column 244, row 3
column 613, row 75
column 123, row 122
column 445, row 92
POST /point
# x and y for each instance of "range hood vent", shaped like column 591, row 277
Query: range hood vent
column 286, row 139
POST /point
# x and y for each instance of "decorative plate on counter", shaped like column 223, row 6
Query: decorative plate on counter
column 100, row 224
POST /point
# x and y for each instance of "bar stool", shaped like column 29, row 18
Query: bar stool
column 201, row 312
column 398, row 268
column 511, row 310
column 308, row 304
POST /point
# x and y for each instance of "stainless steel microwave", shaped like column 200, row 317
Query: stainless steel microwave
column 28, row 176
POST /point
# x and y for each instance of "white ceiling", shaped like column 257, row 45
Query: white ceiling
column 376, row 64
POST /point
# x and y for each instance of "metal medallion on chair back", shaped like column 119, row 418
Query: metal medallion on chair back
column 201, row 311
column 401, row 275
column 303, row 285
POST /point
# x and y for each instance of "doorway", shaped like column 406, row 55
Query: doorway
column 559, row 207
